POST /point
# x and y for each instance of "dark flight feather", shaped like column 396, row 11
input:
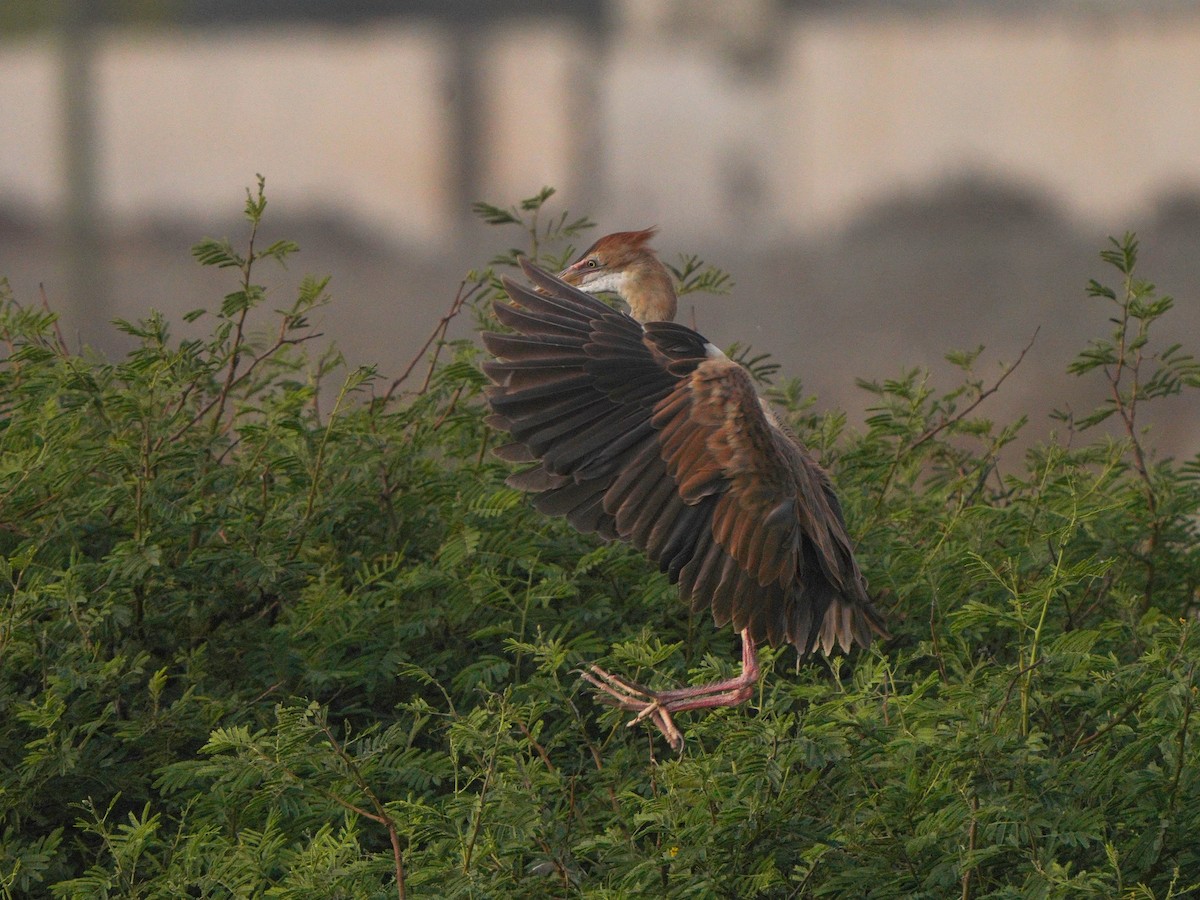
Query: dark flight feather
column 644, row 433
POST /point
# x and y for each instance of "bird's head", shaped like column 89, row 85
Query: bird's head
column 624, row 264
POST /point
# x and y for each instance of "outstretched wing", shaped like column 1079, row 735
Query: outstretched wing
column 788, row 569
column 644, row 433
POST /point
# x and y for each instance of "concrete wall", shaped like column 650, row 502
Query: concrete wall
column 798, row 128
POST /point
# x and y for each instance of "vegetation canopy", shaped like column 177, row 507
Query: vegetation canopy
column 270, row 627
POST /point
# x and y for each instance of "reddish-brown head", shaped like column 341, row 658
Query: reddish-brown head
column 624, row 264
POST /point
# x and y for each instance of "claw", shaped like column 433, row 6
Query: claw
column 657, row 706
column 633, row 697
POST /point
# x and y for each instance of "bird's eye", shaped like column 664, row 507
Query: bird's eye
column 591, row 263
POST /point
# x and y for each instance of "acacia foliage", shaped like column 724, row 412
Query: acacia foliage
column 269, row 628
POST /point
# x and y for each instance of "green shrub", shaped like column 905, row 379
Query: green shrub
column 272, row 628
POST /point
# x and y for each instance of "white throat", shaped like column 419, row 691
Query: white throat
column 607, row 281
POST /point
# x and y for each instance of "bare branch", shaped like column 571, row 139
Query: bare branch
column 437, row 336
column 983, row 395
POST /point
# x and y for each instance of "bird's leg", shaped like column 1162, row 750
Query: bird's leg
column 658, row 705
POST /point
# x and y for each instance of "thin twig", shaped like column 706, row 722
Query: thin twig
column 438, row 333
column 538, row 748
column 1128, row 414
column 449, row 407
column 265, row 355
column 380, row 815
column 272, row 689
column 946, row 423
column 1012, row 684
column 239, row 331
column 972, row 830
column 1167, row 820
column 1137, row 702
column 1183, row 735
column 62, row 344
column 933, row 633
column 317, row 470
column 483, row 791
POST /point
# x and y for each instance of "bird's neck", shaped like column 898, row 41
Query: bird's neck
column 647, row 287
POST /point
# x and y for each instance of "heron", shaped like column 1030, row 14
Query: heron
column 642, row 430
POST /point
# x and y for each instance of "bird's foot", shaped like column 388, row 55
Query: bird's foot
column 657, row 706
column 629, row 695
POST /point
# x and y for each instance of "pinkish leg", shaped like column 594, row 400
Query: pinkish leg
column 658, row 705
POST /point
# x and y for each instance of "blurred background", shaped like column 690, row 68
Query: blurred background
column 885, row 181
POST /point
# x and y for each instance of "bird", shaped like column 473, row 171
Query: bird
column 640, row 429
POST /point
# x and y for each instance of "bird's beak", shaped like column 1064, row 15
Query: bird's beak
column 573, row 274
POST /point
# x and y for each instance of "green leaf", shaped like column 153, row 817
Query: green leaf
column 211, row 252
column 493, row 215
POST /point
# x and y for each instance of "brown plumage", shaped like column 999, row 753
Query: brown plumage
column 642, row 430
column 624, row 264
